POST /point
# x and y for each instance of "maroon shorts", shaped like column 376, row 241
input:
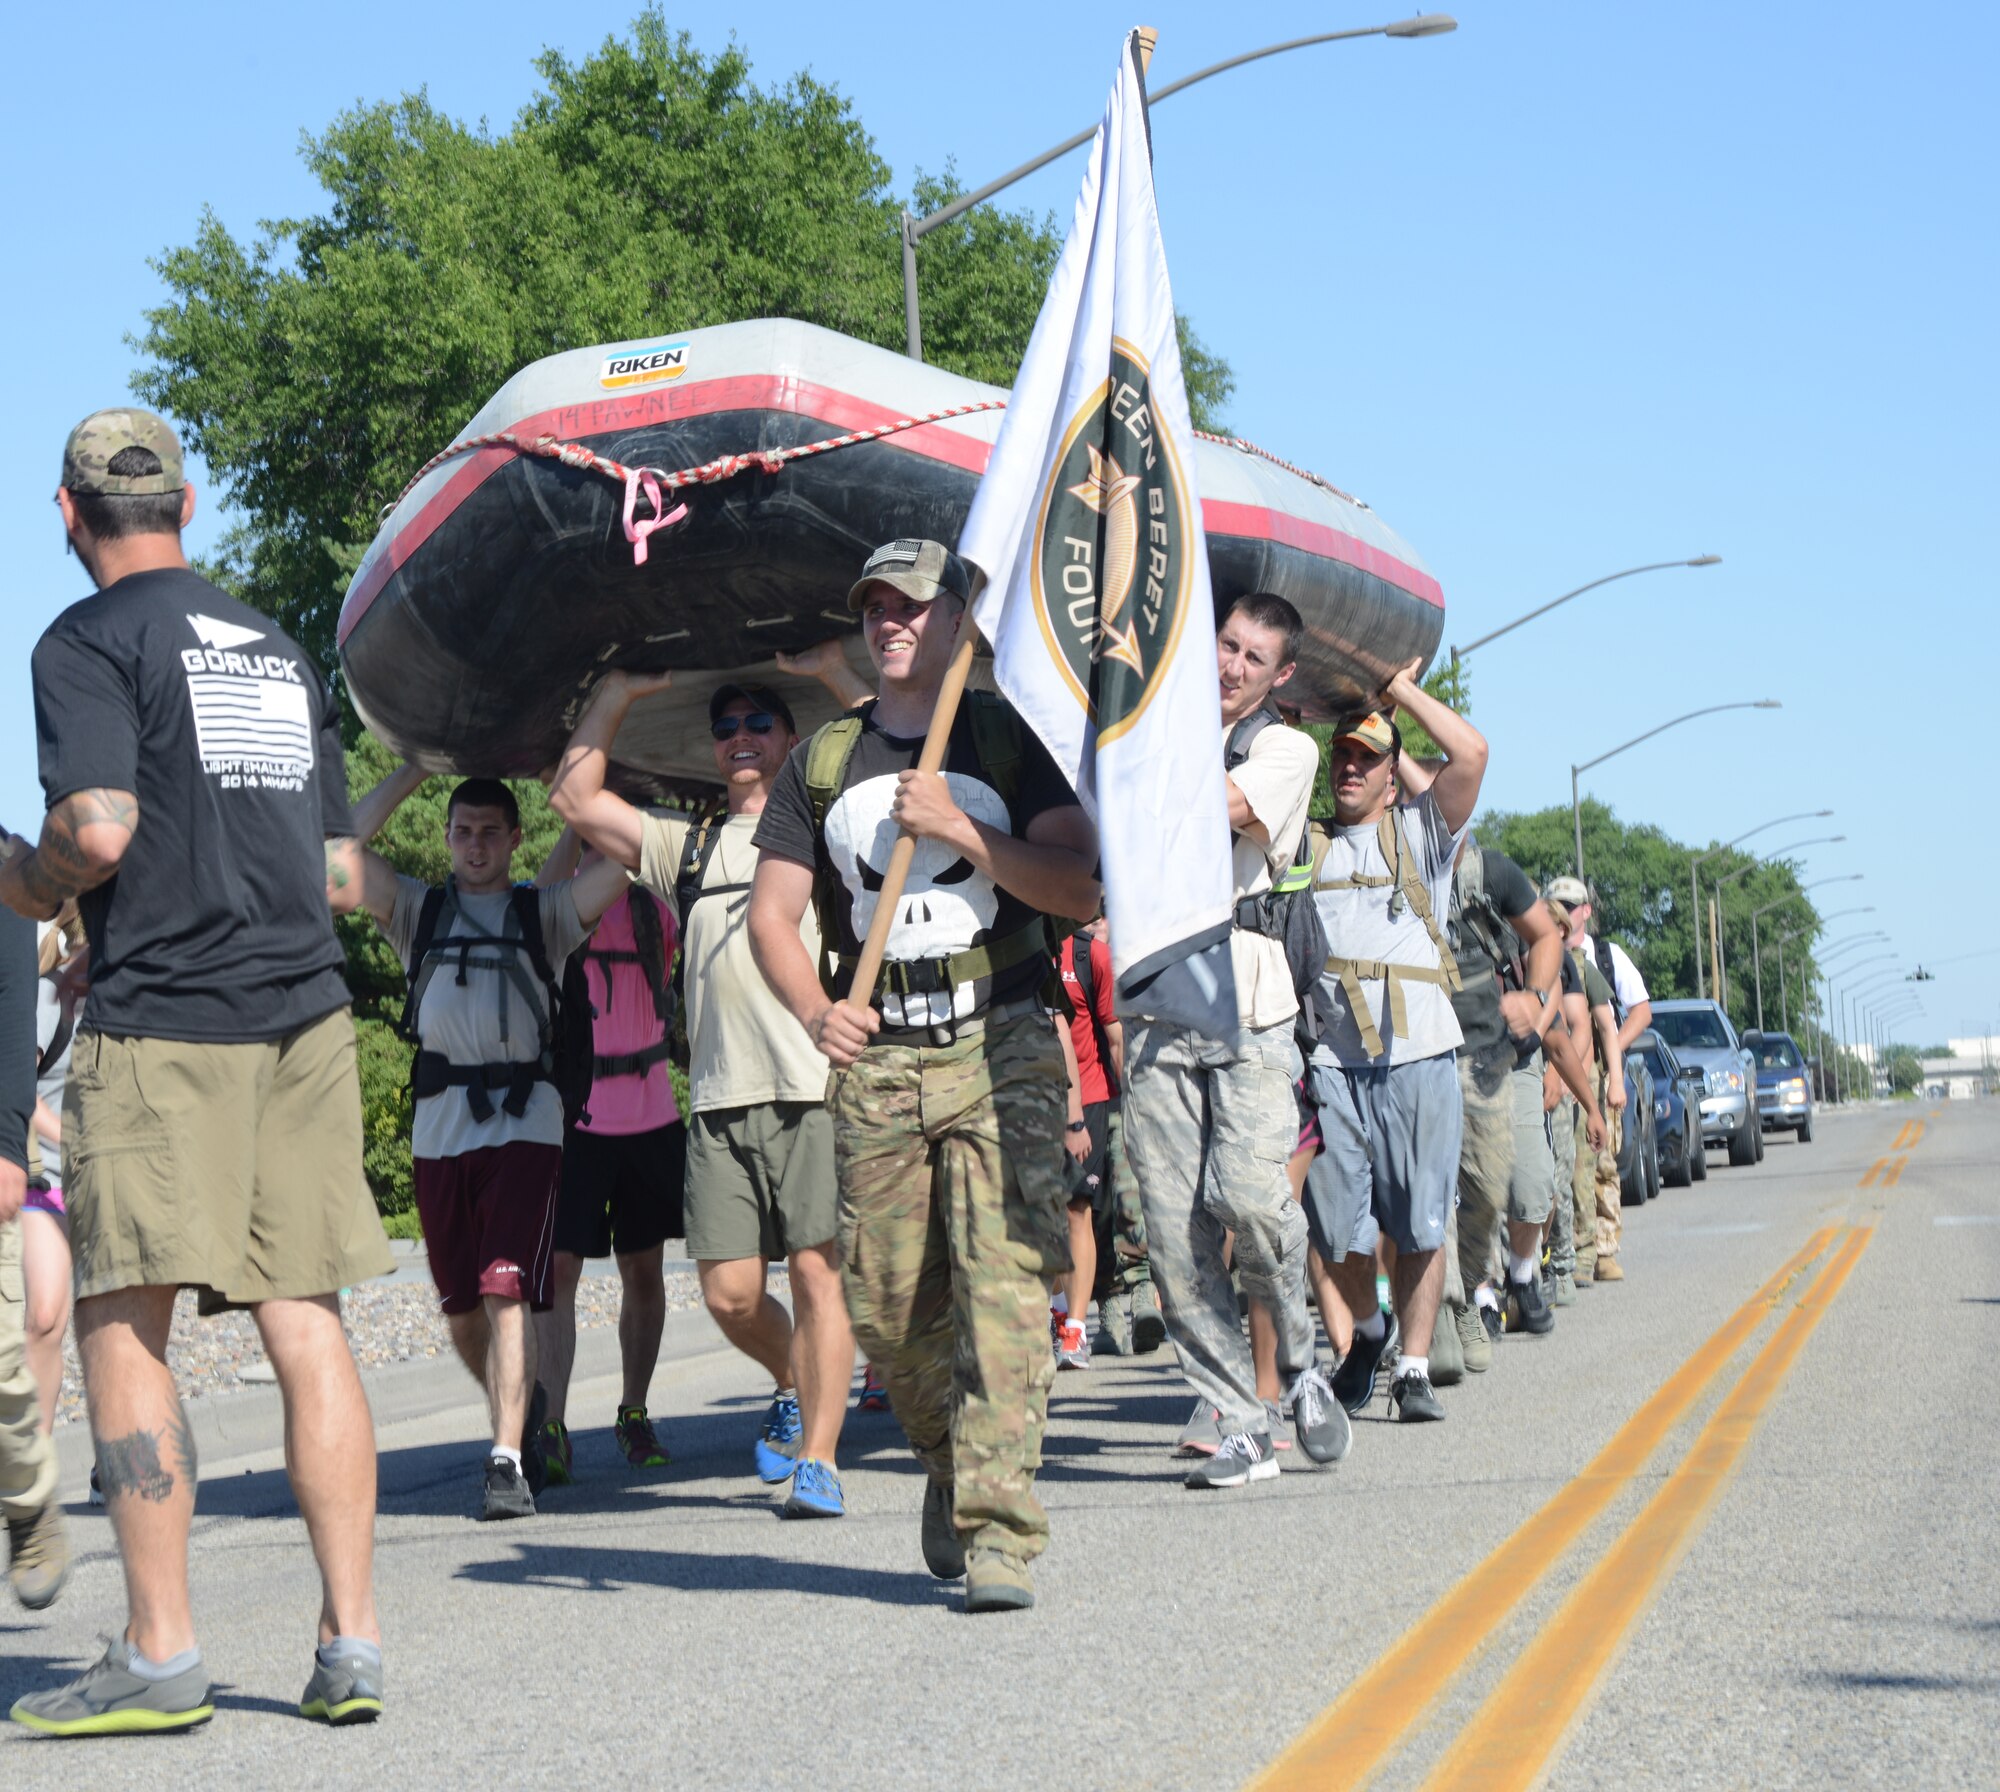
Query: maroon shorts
column 490, row 1223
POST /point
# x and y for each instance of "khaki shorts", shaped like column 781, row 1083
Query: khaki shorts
column 234, row 1169
column 761, row 1182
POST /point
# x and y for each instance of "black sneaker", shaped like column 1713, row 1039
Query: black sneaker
column 534, row 1461
column 1244, row 1456
column 1354, row 1379
column 1410, row 1398
column 507, row 1491
column 1491, row 1318
column 1528, row 1308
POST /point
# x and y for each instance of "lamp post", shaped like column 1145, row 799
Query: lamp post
column 1426, row 24
column 1576, row 771
column 1853, row 995
column 1756, row 915
column 1458, row 653
column 1838, row 1011
column 1723, row 883
column 1805, row 932
column 1836, row 949
column 1694, row 882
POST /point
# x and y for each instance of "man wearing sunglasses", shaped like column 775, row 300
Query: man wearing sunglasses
column 760, row 1177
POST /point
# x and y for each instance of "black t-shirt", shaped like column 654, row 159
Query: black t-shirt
column 1477, row 1002
column 215, row 927
column 947, row 906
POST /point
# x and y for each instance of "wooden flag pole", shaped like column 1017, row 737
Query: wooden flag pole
column 937, row 740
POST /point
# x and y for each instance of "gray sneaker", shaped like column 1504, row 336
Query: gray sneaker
column 111, row 1700
column 1149, row 1324
column 1202, row 1434
column 1114, row 1324
column 349, row 1692
column 40, row 1562
column 1242, row 1457
column 1319, row 1419
column 944, row 1549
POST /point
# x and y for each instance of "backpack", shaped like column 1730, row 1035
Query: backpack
column 1406, row 889
column 566, row 1057
column 1086, row 1004
column 1602, row 948
column 1476, row 916
column 997, row 744
column 649, row 953
column 1286, row 911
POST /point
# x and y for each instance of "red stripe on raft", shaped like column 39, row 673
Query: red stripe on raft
column 844, row 411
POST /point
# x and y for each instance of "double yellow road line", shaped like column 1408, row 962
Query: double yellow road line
column 1888, row 1171
column 1511, row 1739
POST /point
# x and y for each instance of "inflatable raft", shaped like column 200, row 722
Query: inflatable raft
column 510, row 575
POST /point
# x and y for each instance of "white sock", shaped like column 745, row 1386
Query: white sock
column 501, row 1453
column 144, row 1667
column 1374, row 1328
column 1519, row 1268
column 1486, row 1297
column 1414, row 1365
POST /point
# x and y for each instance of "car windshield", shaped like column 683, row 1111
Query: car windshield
column 1690, row 1026
column 1777, row 1054
column 1656, row 1064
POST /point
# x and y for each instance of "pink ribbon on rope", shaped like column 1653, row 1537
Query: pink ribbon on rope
column 637, row 529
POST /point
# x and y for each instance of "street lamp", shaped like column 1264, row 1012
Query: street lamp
column 1756, row 948
column 1757, row 863
column 1458, row 653
column 1425, row 24
column 1577, row 771
column 1694, row 885
column 1807, row 931
column 1838, row 1014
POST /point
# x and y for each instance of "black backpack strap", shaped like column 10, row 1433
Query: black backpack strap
column 526, row 901
column 1085, row 973
column 1237, row 748
column 417, row 973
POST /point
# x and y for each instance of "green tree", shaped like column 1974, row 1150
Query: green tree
column 1904, row 1069
column 646, row 187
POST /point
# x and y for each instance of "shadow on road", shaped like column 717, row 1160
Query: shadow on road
column 583, row 1569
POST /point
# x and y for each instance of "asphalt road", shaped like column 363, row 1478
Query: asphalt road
column 1715, row 1537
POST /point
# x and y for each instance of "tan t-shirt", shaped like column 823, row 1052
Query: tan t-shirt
column 1277, row 782
column 744, row 1045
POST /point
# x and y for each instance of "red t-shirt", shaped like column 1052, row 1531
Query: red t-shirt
column 1092, row 1073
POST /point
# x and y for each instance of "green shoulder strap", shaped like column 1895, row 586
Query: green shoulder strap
column 996, row 740
column 827, row 756
column 1395, row 843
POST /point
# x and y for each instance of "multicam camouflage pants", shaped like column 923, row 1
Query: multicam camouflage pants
column 1583, row 1199
column 1609, row 1195
column 1211, row 1127
column 1563, row 1118
column 1485, row 1169
column 953, row 1231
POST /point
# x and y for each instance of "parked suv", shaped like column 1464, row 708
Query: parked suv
column 1677, row 1093
column 1784, row 1084
column 1701, row 1035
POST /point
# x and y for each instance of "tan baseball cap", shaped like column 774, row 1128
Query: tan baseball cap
column 101, row 436
column 1374, row 731
column 921, row 570
column 1569, row 891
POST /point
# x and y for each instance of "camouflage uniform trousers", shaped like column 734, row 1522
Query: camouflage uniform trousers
column 1563, row 1118
column 1485, row 1171
column 1120, row 1218
column 1211, row 1126
column 27, row 1458
column 953, row 1229
column 1610, row 1198
column 1583, row 1200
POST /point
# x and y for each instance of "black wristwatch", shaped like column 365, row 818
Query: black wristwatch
column 1079, row 1126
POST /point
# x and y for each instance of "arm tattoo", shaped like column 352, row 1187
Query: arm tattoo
column 59, row 868
column 338, row 877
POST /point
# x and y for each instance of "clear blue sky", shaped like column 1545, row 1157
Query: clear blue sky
column 1574, row 288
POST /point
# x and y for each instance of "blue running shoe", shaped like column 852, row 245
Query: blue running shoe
column 778, row 1445
column 815, row 1492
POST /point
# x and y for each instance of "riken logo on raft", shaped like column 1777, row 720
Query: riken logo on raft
column 643, row 366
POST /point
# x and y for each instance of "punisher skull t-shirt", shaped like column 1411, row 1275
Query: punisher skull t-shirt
column 947, row 906
column 215, row 927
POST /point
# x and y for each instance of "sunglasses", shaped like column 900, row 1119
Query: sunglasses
column 758, row 722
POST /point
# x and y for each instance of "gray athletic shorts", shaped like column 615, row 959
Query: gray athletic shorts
column 1391, row 1157
column 760, row 1182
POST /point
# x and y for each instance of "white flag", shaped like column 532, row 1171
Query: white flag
column 1097, row 602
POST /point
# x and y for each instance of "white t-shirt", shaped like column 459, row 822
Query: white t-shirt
column 744, row 1045
column 1359, row 925
column 1626, row 983
column 464, row 1021
column 1276, row 780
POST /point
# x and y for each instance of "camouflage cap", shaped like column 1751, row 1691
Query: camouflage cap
column 88, row 453
column 921, row 570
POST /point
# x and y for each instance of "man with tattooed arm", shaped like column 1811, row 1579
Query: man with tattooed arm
column 197, row 808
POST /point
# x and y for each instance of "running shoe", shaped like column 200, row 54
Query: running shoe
column 1242, row 1457
column 1411, row 1398
column 777, row 1450
column 349, row 1691
column 1202, row 1434
column 1072, row 1347
column 110, row 1700
column 1354, row 1379
column 1319, row 1419
column 534, row 1465
column 638, row 1443
column 874, row 1396
column 1527, row 1311
column 40, row 1561
column 557, row 1454
column 1475, row 1343
column 1149, row 1324
column 1491, row 1318
column 506, row 1493
column 944, row 1549
column 1114, row 1324
column 815, row 1492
